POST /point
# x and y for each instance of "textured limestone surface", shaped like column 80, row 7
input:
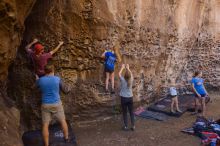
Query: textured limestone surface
column 12, row 16
column 160, row 39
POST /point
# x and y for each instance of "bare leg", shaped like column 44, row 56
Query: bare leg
column 172, row 104
column 203, row 107
column 65, row 128
column 177, row 104
column 196, row 105
column 45, row 133
column 106, row 81
column 113, row 80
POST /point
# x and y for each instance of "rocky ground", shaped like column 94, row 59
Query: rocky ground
column 147, row 133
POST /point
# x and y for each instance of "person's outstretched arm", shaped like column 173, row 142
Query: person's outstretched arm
column 36, row 77
column 36, row 85
column 103, row 55
column 205, row 89
column 57, row 48
column 127, row 66
column 66, row 89
column 118, row 55
column 122, row 68
column 28, row 47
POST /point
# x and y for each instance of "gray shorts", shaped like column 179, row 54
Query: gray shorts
column 52, row 110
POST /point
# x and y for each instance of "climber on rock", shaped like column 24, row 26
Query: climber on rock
column 200, row 92
column 50, row 86
column 39, row 57
column 110, row 56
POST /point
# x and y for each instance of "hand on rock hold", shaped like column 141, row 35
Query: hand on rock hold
column 123, row 66
column 127, row 66
column 61, row 43
column 36, row 77
column 35, row 40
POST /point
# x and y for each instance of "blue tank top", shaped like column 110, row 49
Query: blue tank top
column 110, row 59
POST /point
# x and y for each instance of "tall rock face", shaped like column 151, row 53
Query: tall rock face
column 160, row 39
column 12, row 16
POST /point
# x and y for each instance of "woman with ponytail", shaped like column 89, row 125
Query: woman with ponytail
column 126, row 95
column 111, row 56
column 200, row 92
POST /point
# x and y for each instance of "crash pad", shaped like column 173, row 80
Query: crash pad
column 163, row 105
column 56, row 137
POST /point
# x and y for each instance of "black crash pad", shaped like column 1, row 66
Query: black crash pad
column 143, row 113
column 56, row 138
column 152, row 115
column 163, row 105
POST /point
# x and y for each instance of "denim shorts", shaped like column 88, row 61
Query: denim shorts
column 109, row 71
column 202, row 96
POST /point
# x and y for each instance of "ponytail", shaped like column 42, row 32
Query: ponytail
column 196, row 73
column 127, row 78
column 116, row 51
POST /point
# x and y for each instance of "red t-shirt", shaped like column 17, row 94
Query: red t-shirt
column 40, row 61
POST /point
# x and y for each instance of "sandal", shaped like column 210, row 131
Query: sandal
column 179, row 111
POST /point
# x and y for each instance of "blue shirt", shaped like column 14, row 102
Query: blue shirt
column 198, row 85
column 50, row 88
column 110, row 59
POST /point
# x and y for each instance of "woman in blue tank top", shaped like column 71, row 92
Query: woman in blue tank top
column 200, row 92
column 110, row 56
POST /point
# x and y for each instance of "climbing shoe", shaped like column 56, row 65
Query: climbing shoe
column 67, row 140
column 125, row 128
column 133, row 128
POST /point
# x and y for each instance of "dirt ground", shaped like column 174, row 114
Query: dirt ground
column 147, row 132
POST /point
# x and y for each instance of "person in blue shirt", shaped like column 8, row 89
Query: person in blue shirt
column 200, row 92
column 51, row 104
column 174, row 97
column 110, row 56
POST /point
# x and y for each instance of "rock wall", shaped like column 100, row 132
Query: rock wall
column 161, row 39
column 12, row 16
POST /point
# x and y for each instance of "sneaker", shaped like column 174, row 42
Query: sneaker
column 125, row 128
column 67, row 140
column 106, row 91
column 133, row 128
column 113, row 91
column 172, row 112
column 179, row 111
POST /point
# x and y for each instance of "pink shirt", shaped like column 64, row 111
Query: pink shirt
column 40, row 61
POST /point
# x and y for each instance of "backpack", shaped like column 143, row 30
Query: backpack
column 56, row 137
column 110, row 61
